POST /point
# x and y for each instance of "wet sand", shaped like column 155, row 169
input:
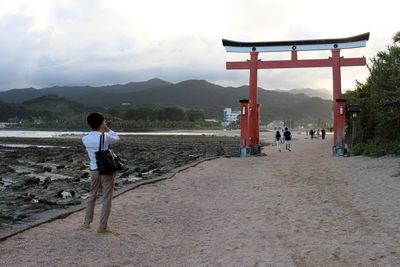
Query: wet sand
column 299, row 208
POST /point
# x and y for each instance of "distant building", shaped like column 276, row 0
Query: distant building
column 275, row 125
column 230, row 116
column 211, row 120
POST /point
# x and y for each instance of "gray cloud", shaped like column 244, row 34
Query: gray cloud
column 95, row 43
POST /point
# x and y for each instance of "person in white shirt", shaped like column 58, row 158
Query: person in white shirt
column 91, row 141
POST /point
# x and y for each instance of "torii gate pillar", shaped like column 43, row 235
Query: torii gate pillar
column 339, row 115
column 254, row 109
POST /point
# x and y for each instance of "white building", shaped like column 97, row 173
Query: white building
column 230, row 116
column 275, row 125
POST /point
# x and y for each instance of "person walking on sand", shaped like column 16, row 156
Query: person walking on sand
column 312, row 134
column 288, row 138
column 91, row 141
column 278, row 140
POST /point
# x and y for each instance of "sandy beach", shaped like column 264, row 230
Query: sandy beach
column 299, row 208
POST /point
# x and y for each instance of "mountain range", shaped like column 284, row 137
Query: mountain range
column 191, row 94
column 322, row 93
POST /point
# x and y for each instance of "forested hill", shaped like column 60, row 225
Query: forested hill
column 78, row 93
column 192, row 94
column 49, row 107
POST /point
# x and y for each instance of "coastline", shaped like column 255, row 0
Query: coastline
column 53, row 173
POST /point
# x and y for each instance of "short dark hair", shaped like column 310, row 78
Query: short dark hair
column 286, row 128
column 95, row 119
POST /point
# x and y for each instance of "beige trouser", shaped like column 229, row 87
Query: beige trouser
column 108, row 189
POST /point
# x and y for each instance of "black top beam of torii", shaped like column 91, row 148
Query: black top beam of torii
column 298, row 45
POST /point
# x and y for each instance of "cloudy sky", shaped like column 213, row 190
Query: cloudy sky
column 96, row 42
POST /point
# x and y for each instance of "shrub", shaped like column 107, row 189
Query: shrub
column 377, row 148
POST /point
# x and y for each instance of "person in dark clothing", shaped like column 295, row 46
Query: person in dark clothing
column 312, row 134
column 288, row 138
column 323, row 133
column 278, row 140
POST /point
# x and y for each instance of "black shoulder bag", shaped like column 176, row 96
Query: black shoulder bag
column 107, row 161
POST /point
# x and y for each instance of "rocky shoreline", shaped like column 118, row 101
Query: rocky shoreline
column 39, row 174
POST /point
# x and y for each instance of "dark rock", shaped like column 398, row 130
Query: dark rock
column 32, row 180
column 17, row 186
column 6, row 219
column 46, row 181
column 47, row 169
column 47, row 202
column 22, row 216
column 68, row 202
column 24, row 173
column 59, row 194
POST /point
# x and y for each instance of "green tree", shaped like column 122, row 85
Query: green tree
column 115, row 113
column 142, row 113
column 379, row 97
column 129, row 114
column 194, row 115
column 146, row 113
column 174, row 114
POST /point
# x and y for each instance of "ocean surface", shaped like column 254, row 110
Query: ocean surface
column 50, row 134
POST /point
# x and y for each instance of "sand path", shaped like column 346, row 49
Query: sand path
column 299, row 208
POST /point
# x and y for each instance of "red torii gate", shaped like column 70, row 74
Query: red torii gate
column 250, row 143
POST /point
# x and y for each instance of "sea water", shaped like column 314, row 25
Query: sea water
column 50, row 134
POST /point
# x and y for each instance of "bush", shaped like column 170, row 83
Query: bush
column 377, row 148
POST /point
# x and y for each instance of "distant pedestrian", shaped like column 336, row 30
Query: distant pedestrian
column 278, row 140
column 323, row 133
column 318, row 132
column 91, row 142
column 312, row 134
column 288, row 138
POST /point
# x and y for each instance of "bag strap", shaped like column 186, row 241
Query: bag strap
column 101, row 143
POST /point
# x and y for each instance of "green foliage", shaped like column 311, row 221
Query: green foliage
column 42, row 109
column 143, row 113
column 194, row 115
column 17, row 113
column 165, row 114
column 131, row 125
column 115, row 113
column 379, row 98
column 376, row 148
column 173, row 114
column 58, row 113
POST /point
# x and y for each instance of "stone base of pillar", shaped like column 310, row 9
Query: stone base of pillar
column 244, row 152
column 339, row 151
column 255, row 149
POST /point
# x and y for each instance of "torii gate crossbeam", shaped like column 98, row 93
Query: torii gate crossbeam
column 335, row 62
